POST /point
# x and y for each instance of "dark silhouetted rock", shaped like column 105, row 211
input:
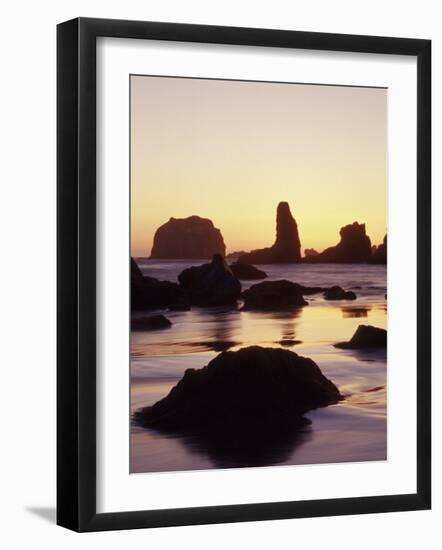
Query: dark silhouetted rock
column 235, row 255
column 211, row 284
column 247, row 271
column 150, row 293
column 380, row 254
column 308, row 290
column 366, row 336
column 287, row 246
column 310, row 252
column 273, row 296
column 153, row 322
column 249, row 387
column 338, row 293
column 188, row 238
column 354, row 247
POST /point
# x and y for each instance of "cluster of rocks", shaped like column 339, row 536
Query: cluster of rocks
column 211, row 284
column 217, row 284
column 197, row 238
column 254, row 385
column 285, row 295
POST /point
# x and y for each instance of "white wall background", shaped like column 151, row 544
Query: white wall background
column 27, row 290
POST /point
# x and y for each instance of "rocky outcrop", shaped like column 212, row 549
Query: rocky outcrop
column 150, row 293
column 188, row 238
column 254, row 386
column 247, row 272
column 153, row 322
column 235, row 255
column 310, row 252
column 273, row 296
column 211, row 284
column 380, row 254
column 338, row 293
column 287, row 246
column 354, row 247
column 366, row 336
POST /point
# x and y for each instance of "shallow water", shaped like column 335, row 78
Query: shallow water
column 353, row 430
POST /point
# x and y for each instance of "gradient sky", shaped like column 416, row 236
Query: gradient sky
column 230, row 151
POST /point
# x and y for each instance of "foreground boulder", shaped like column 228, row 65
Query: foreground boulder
column 211, row 284
column 354, row 247
column 249, row 387
column 366, row 336
column 247, row 272
column 150, row 293
column 187, row 238
column 273, row 295
column 153, row 322
column 338, row 293
column 287, row 246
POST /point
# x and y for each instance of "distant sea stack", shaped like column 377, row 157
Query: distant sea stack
column 310, row 252
column 380, row 254
column 354, row 247
column 192, row 238
column 287, row 246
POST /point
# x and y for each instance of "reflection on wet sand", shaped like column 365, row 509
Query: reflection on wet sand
column 254, row 445
column 354, row 312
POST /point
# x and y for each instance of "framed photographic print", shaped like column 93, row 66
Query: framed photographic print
column 243, row 274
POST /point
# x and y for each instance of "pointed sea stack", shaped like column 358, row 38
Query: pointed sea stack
column 287, row 246
column 354, row 247
column 192, row 238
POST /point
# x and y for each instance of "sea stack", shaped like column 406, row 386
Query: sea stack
column 192, row 238
column 380, row 254
column 354, row 247
column 287, row 246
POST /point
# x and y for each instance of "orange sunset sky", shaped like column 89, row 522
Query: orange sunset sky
column 231, row 150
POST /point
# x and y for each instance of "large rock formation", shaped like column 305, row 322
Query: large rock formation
column 380, row 254
column 354, row 247
column 211, row 284
column 366, row 336
column 273, row 296
column 188, row 238
column 287, row 246
column 150, row 293
column 310, row 252
column 254, row 386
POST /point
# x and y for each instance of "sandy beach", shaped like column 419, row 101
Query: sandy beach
column 353, row 430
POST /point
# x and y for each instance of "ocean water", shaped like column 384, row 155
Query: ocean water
column 353, row 430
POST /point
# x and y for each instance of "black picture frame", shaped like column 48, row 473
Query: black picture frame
column 76, row 273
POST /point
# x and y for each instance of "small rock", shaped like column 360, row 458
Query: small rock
column 153, row 322
column 338, row 293
column 366, row 336
column 247, row 271
column 273, row 296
